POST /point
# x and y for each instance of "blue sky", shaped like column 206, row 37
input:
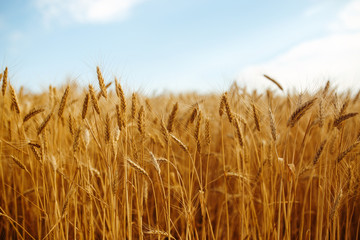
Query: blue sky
column 154, row 45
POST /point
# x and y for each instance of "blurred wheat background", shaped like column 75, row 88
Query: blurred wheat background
column 101, row 162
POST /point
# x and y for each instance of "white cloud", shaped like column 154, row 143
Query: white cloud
column 349, row 17
column 85, row 11
column 307, row 65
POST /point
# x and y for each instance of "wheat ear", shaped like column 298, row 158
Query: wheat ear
column 63, row 101
column 32, row 113
column 85, row 106
column 14, row 100
column 342, row 118
column 299, row 112
column 18, row 162
column 171, row 119
column 121, row 95
column 140, row 121
column 319, row 152
column 138, row 168
column 272, row 125
column 344, row 153
column 274, row 81
column 101, row 82
column 133, row 105
column 256, row 118
column 44, row 123
column 238, row 132
column 5, row 76
column 94, row 100
column 226, row 104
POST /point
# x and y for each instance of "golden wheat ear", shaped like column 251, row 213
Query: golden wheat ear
column 63, row 101
column 94, row 100
column 4, row 84
column 275, row 82
column 171, row 119
column 14, row 101
column 299, row 112
column 101, row 82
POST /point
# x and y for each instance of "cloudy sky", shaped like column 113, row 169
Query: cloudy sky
column 178, row 45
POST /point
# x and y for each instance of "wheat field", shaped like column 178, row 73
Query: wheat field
column 99, row 162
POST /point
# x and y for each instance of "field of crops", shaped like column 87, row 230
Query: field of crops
column 99, row 162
